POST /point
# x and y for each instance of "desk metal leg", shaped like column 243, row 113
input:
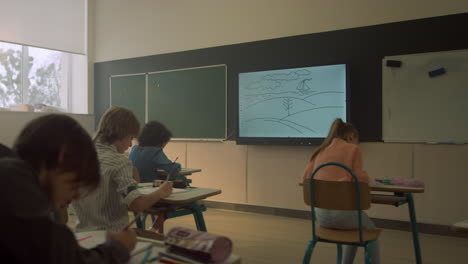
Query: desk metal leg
column 139, row 223
column 339, row 253
column 309, row 250
column 198, row 215
column 414, row 228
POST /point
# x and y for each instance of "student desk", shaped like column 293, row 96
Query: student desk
column 145, row 236
column 187, row 171
column 183, row 173
column 193, row 194
column 184, row 201
column 396, row 196
column 461, row 227
column 175, row 211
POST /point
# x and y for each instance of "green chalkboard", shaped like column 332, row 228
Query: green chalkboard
column 129, row 91
column 190, row 102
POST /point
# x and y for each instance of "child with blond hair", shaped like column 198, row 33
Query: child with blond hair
column 107, row 208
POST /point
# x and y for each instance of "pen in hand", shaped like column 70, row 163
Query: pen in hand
column 170, row 172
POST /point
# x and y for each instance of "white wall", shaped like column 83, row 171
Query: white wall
column 50, row 24
column 91, row 46
column 13, row 122
column 79, row 83
column 268, row 175
column 126, row 29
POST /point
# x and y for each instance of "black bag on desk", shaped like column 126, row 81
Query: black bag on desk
column 175, row 183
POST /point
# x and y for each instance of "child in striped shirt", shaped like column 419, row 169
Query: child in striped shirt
column 107, row 208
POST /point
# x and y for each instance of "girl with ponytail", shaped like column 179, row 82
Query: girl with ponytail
column 341, row 145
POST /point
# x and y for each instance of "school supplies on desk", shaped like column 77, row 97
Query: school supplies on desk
column 148, row 190
column 172, row 259
column 81, row 239
column 384, row 181
column 98, row 237
column 403, row 182
column 198, row 245
column 145, row 185
column 175, row 183
column 169, row 173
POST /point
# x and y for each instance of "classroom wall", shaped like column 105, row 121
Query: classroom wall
column 267, row 175
column 90, row 48
column 126, row 29
column 13, row 122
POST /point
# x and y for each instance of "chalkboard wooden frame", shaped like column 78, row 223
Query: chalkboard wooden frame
column 203, row 118
column 141, row 119
column 206, row 119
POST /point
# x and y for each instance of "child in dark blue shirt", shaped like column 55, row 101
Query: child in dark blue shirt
column 148, row 155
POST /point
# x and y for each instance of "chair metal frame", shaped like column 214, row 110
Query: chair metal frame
column 367, row 245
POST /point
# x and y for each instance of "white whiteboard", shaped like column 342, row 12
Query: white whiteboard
column 420, row 109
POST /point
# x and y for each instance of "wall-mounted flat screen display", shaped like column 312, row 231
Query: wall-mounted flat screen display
column 291, row 106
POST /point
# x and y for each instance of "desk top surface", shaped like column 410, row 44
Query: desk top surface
column 377, row 186
column 380, row 187
column 461, row 227
column 188, row 171
column 462, row 224
column 193, row 194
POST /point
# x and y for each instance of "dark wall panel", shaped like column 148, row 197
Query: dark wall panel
column 361, row 48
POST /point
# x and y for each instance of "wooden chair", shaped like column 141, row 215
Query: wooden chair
column 339, row 195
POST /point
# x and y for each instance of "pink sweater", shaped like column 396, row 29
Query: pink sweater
column 342, row 152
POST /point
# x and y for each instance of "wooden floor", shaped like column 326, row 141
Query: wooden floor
column 269, row 239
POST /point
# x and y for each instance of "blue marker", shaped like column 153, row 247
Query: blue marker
column 437, row 72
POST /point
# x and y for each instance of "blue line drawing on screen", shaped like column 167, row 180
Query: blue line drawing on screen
column 299, row 102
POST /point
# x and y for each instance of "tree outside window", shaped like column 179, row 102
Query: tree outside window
column 32, row 76
column 10, row 74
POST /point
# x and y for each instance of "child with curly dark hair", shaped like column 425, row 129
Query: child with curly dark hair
column 148, row 156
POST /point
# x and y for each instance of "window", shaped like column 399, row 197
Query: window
column 38, row 78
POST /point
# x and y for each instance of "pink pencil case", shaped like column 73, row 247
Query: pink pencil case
column 407, row 182
column 202, row 246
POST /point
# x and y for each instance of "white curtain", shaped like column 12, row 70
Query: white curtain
column 51, row 24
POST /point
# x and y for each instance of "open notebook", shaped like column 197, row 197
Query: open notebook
column 148, row 190
column 94, row 238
